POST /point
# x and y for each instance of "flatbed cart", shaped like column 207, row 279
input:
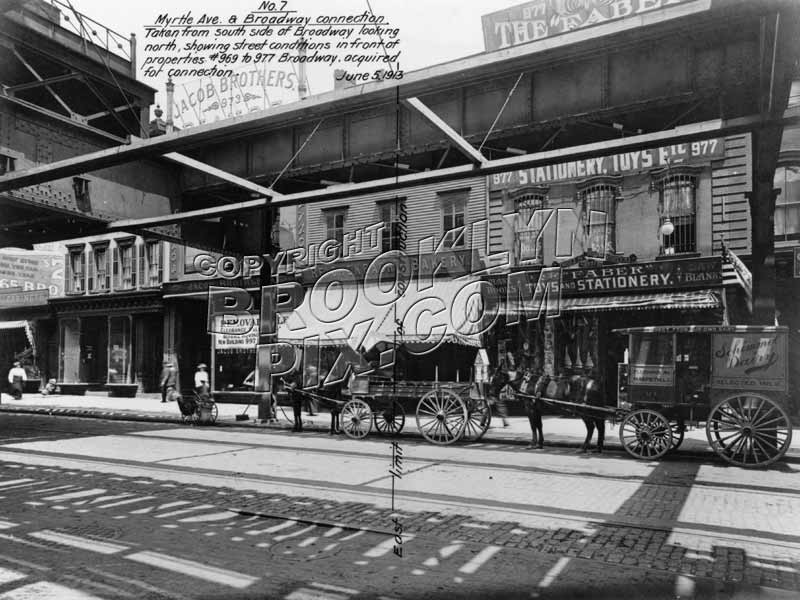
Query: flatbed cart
column 445, row 411
column 733, row 378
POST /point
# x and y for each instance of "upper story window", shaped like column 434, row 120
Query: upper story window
column 76, row 270
column 528, row 239
column 598, row 199
column 99, row 268
column 677, row 200
column 125, row 264
column 335, row 219
column 394, row 217
column 7, row 164
column 152, row 269
column 454, row 210
column 787, row 204
column 80, row 186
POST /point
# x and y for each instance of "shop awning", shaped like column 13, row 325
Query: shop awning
column 13, row 324
column 690, row 300
column 450, row 310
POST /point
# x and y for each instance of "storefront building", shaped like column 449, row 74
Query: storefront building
column 638, row 240
column 109, row 321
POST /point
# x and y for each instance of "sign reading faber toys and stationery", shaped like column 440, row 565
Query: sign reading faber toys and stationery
column 615, row 164
column 541, row 19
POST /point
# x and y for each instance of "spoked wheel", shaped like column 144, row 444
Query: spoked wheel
column 390, row 421
column 441, row 416
column 678, row 431
column 479, row 417
column 356, row 419
column 749, row 430
column 646, row 434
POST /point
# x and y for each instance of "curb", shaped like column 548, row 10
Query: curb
column 308, row 426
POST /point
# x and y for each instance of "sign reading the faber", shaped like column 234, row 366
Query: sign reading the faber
column 615, row 164
column 541, row 19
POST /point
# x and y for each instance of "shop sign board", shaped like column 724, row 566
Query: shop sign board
column 32, row 270
column 624, row 163
column 625, row 278
column 452, row 263
column 237, row 332
column 652, row 375
column 17, row 297
column 542, row 19
column 643, row 277
column 749, row 361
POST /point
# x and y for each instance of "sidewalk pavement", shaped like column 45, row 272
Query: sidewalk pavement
column 559, row 431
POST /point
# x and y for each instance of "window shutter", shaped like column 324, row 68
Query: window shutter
column 68, row 271
column 160, row 259
column 90, row 257
column 137, row 258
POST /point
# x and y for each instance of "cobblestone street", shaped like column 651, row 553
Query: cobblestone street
column 190, row 512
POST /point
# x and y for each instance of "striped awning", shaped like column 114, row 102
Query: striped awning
column 13, row 324
column 689, row 300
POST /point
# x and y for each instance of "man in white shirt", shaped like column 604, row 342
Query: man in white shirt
column 17, row 379
column 201, row 380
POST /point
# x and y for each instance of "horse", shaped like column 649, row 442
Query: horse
column 585, row 390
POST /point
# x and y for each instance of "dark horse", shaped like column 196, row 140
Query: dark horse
column 585, row 390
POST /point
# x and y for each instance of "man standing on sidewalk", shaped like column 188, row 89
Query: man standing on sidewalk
column 17, row 378
column 169, row 380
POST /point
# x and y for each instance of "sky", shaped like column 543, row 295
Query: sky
column 431, row 32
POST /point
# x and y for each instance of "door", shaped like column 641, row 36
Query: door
column 692, row 367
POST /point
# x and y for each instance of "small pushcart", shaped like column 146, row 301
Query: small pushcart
column 733, row 378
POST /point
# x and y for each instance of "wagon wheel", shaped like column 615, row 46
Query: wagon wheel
column 678, row 431
column 646, row 434
column 390, row 421
column 749, row 430
column 441, row 416
column 356, row 419
column 479, row 417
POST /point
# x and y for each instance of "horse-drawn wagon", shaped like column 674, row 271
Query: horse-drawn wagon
column 733, row 378
column 445, row 411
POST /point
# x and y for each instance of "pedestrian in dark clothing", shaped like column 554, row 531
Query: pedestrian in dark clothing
column 169, row 381
column 292, row 383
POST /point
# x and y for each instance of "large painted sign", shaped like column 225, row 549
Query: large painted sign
column 749, row 361
column 616, row 164
column 541, row 19
column 31, row 270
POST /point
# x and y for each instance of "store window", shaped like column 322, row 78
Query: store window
column 99, row 268
column 125, row 265
column 677, row 212
column 152, row 269
column 528, row 225
column 454, row 208
column 335, row 219
column 598, row 200
column 76, row 265
column 119, row 349
column 394, row 217
column 787, row 204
